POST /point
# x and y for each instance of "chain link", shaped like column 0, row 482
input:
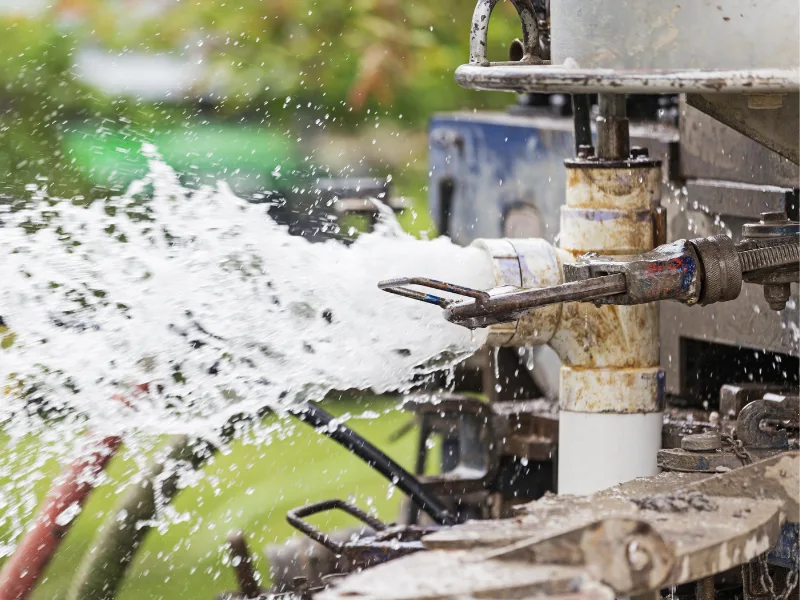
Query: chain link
column 738, row 448
column 765, row 579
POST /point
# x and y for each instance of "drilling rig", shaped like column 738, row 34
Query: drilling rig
column 639, row 205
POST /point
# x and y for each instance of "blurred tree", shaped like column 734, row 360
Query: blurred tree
column 283, row 64
column 36, row 91
column 397, row 56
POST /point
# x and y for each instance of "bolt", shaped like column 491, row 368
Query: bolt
column 777, row 294
column 639, row 152
column 585, row 151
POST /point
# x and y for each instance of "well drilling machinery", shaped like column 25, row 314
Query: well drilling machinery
column 639, row 205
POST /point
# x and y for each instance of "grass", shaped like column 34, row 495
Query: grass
column 249, row 488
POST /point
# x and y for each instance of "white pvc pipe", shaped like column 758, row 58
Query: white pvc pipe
column 599, row 450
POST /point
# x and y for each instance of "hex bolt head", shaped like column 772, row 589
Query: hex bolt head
column 777, row 294
column 702, row 442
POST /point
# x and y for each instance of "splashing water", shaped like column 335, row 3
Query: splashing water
column 202, row 296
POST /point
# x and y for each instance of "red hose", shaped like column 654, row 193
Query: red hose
column 22, row 571
column 25, row 567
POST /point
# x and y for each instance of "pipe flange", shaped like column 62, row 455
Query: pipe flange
column 723, row 271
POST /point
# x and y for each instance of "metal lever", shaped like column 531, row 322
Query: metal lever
column 503, row 304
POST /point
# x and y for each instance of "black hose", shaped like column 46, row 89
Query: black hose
column 319, row 419
column 581, row 118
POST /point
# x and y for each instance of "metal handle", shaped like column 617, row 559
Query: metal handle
column 295, row 519
column 501, row 305
column 509, row 306
column 480, row 30
column 395, row 286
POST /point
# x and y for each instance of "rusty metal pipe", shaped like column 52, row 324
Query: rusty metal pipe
column 611, row 386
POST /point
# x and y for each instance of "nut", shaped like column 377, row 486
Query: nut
column 777, row 295
column 702, row 442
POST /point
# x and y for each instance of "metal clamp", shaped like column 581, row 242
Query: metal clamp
column 753, row 416
column 668, row 272
column 480, row 29
column 771, row 257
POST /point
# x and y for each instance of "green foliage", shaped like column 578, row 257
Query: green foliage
column 37, row 90
column 394, row 56
column 286, row 65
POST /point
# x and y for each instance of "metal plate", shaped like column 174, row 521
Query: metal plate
column 513, row 77
column 712, row 150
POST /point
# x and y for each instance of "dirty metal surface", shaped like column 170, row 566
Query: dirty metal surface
column 678, row 459
column 705, row 542
column 480, row 30
column 710, row 150
column 747, row 508
column 777, row 128
column 445, row 575
column 512, row 77
column 742, row 200
column 786, row 550
column 734, row 397
column 626, row 554
column 776, row 477
column 751, row 417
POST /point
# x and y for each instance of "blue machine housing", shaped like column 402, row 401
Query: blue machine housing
column 485, row 165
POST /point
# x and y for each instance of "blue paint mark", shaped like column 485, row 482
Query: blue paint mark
column 689, row 268
column 431, row 299
column 702, row 464
column 586, row 214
